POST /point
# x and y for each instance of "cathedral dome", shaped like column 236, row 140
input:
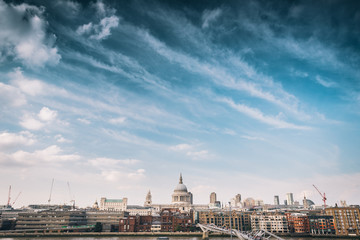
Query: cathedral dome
column 180, row 187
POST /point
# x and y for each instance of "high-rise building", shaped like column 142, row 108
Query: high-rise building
column 276, row 200
column 213, row 197
column 236, row 201
column 290, row 198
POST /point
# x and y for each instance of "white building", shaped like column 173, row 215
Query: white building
column 270, row 221
column 113, row 204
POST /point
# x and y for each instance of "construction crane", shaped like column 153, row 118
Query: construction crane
column 72, row 197
column 9, row 196
column 322, row 195
column 52, row 184
column 15, row 199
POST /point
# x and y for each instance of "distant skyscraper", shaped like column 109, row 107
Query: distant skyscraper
column 213, row 197
column 285, row 202
column 276, row 200
column 290, row 198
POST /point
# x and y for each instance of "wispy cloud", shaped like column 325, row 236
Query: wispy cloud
column 210, row 16
column 258, row 115
column 325, row 83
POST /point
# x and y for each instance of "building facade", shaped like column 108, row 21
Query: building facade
column 240, row 220
column 113, row 204
column 346, row 219
column 275, row 222
column 321, row 225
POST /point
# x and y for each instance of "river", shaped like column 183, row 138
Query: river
column 155, row 238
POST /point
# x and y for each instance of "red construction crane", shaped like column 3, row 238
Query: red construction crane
column 322, row 195
column 16, row 199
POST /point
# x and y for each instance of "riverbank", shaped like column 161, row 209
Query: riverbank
column 141, row 234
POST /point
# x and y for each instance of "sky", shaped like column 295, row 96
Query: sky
column 116, row 98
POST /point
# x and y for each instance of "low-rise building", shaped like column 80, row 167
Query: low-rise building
column 50, row 220
column 321, row 225
column 298, row 222
column 275, row 222
column 113, row 204
column 108, row 219
column 240, row 220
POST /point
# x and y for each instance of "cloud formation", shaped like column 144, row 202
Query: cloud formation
column 24, row 35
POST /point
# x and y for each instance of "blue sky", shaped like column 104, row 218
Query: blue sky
column 259, row 98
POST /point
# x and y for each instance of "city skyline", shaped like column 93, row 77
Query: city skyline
column 116, row 98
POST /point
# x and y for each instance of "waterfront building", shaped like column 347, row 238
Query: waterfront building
column 181, row 194
column 180, row 199
column 139, row 210
column 321, row 224
column 240, row 220
column 113, row 204
column 298, row 222
column 50, row 220
column 169, row 220
column 275, row 222
column 108, row 219
column 290, row 199
column 346, row 219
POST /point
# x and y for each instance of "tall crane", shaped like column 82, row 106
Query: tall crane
column 9, row 196
column 72, row 197
column 322, row 195
column 52, row 184
column 15, row 199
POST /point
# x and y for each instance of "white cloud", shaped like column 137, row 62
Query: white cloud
column 203, row 154
column 59, row 138
column 119, row 120
column 210, row 16
column 181, row 147
column 325, row 83
column 84, row 29
column 111, row 163
column 253, row 138
column 23, row 35
column 11, row 95
column 50, row 155
column 33, row 87
column 102, row 29
column 83, row 120
column 258, row 115
column 31, row 123
column 12, row 140
column 47, row 115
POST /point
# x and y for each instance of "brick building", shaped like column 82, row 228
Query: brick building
column 239, row 220
column 298, row 222
column 170, row 220
column 321, row 224
column 346, row 219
